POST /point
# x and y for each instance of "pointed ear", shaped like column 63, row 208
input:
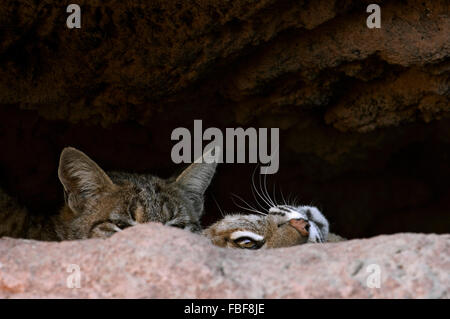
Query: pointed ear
column 82, row 178
column 199, row 174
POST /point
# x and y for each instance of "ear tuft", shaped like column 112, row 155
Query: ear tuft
column 81, row 177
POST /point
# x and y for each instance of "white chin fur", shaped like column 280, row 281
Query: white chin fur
column 316, row 234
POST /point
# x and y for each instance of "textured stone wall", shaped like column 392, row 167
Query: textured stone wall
column 364, row 114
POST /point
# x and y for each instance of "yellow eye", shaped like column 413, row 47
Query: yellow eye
column 247, row 243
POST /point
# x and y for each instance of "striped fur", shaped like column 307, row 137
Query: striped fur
column 100, row 204
column 281, row 226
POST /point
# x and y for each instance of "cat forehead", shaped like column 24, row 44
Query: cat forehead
column 142, row 180
column 147, row 185
column 240, row 221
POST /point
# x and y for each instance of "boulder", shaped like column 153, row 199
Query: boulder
column 156, row 261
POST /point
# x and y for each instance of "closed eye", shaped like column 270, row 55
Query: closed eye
column 103, row 229
column 122, row 225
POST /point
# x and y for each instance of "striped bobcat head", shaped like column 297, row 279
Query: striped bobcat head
column 282, row 226
column 271, row 225
column 100, row 204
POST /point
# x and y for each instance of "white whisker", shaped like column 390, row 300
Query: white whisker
column 262, row 195
column 218, row 206
column 253, row 189
column 274, row 195
column 282, row 197
column 267, row 192
column 272, row 201
column 256, row 189
column 251, row 208
column 256, row 199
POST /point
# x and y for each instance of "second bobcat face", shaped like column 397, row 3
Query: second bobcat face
column 283, row 226
column 100, row 204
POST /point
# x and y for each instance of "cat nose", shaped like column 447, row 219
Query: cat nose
column 301, row 225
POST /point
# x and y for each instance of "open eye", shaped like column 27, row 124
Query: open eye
column 247, row 243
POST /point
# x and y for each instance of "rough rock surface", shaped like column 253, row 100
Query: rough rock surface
column 154, row 261
column 131, row 60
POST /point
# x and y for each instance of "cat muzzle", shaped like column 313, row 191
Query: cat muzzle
column 301, row 225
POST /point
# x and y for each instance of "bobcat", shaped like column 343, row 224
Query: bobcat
column 99, row 204
column 282, row 226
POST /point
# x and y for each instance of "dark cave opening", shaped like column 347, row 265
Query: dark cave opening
column 388, row 181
